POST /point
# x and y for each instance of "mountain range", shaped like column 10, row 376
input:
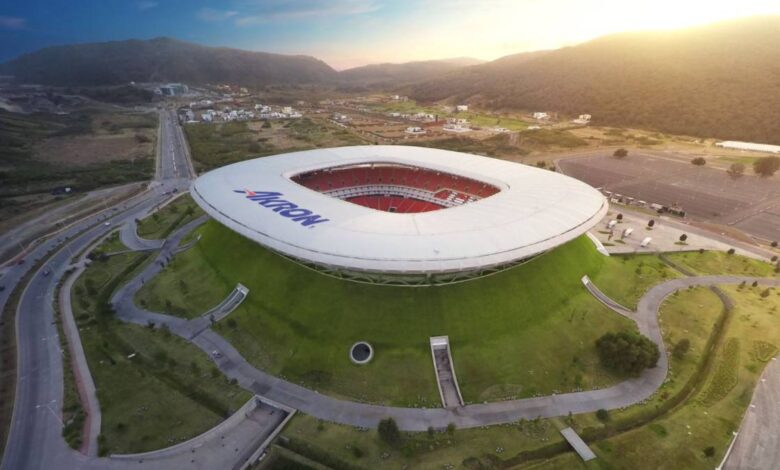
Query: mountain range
column 720, row 80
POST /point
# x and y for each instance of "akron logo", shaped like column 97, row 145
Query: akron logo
column 274, row 201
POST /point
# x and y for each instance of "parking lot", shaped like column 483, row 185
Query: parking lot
column 749, row 203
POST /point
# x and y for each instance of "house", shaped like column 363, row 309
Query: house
column 583, row 119
column 539, row 116
column 287, row 110
column 457, row 126
column 415, row 130
column 462, row 108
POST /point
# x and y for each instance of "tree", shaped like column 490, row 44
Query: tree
column 731, row 251
column 709, row 451
column 388, row 432
column 451, row 429
column 619, row 217
column 774, row 244
column 699, row 161
column 683, row 237
column 681, row 348
column 627, row 352
column 602, row 415
column 651, row 223
column 620, row 153
column 766, row 166
column 736, row 170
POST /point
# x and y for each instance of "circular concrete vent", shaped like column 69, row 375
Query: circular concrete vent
column 361, row 352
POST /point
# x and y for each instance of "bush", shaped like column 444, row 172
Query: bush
column 774, row 244
column 389, row 433
column 683, row 237
column 766, row 166
column 602, row 415
column 620, row 153
column 736, row 170
column 651, row 223
column 681, row 348
column 627, row 353
column 731, row 251
column 709, row 451
column 451, row 429
column 699, row 161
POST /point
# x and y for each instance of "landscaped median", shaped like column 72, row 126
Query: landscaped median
column 154, row 389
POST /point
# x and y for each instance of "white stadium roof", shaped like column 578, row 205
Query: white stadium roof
column 534, row 211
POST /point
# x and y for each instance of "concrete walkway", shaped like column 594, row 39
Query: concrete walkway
column 232, row 364
column 128, row 234
column 84, row 382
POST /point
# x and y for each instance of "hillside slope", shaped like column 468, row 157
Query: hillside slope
column 720, row 80
column 394, row 75
column 162, row 60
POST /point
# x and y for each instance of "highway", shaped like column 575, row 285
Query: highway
column 35, row 440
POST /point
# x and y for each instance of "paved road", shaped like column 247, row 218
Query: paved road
column 230, row 361
column 757, row 446
column 35, row 439
column 128, row 234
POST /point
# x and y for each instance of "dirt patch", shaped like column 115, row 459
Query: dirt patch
column 88, row 149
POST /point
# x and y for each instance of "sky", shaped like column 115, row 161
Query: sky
column 349, row 33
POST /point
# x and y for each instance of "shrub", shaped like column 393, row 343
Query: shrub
column 431, row 432
column 774, row 244
column 736, row 170
column 651, row 223
column 602, row 415
column 683, row 237
column 627, row 353
column 766, row 166
column 699, row 161
column 388, row 432
column 620, row 153
column 709, row 451
column 619, row 217
column 357, row 451
column 451, row 429
column 232, row 323
column 681, row 348
column 731, row 251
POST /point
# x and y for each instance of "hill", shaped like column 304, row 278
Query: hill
column 720, row 80
column 162, row 60
column 392, row 75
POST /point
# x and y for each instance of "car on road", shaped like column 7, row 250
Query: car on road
column 107, row 224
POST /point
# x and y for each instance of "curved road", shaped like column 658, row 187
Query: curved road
column 35, row 441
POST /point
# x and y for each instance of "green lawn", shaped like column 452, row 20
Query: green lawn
column 169, row 391
column 112, row 243
column 161, row 223
column 630, row 276
column 526, row 331
column 676, row 440
column 719, row 262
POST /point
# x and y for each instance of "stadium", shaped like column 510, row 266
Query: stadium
column 399, row 214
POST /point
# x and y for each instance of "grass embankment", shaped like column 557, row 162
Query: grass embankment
column 706, row 418
column 154, row 389
column 719, row 262
column 164, row 221
column 524, row 332
column 628, row 277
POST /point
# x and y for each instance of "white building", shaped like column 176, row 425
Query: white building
column 415, row 130
column 582, row 119
column 462, row 108
column 541, row 115
column 737, row 145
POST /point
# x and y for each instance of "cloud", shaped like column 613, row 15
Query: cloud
column 12, row 22
column 263, row 11
column 146, row 5
column 210, row 14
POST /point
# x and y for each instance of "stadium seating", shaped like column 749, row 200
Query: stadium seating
column 396, row 188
